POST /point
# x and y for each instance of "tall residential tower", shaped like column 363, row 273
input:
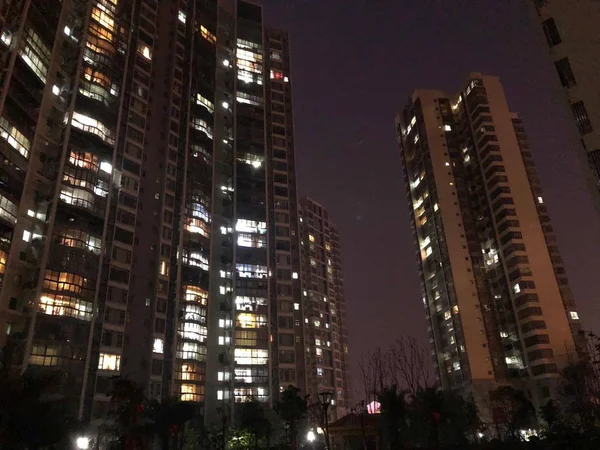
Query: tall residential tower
column 148, row 214
column 326, row 334
column 570, row 30
column 496, row 297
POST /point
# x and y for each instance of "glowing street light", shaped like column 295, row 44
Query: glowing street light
column 82, row 443
column 310, row 436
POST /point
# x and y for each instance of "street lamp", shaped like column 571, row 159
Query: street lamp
column 310, row 436
column 325, row 399
column 82, row 443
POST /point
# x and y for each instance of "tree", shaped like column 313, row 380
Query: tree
column 34, row 413
column 251, row 418
column 170, row 418
column 128, row 406
column 511, row 411
column 410, row 366
column 393, row 416
column 292, row 408
column 375, row 373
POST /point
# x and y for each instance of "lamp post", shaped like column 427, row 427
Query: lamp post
column 325, row 401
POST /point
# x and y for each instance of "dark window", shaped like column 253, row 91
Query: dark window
column 544, row 368
column 537, row 339
column 286, row 339
column 530, row 311
column 533, row 325
column 594, row 160
column 283, row 245
column 119, row 275
column 551, row 32
column 581, row 118
column 540, row 354
column 565, row 73
column 123, row 236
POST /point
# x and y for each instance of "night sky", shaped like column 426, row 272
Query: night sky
column 354, row 65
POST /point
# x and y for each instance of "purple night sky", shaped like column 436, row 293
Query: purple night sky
column 354, row 64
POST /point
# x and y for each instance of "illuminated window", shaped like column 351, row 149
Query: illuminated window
column 109, row 361
column 79, row 239
column 574, row 315
column 250, row 226
column 44, row 355
column 66, row 301
column 223, row 376
column 198, row 210
column 90, row 125
column 14, row 137
column 197, row 226
column 251, row 240
column 164, row 268
column 246, row 338
column 77, row 197
column 224, row 323
column 192, row 393
column 249, row 99
column 194, row 294
column 190, row 372
column 6, row 38
column 251, row 271
column 158, row 346
column 181, row 16
column 8, row 210
column 247, row 356
column 97, row 77
column 193, row 331
column 311, row 238
column 195, row 259
column 249, row 320
column 516, row 288
column 447, row 315
column 295, row 275
column 207, row 34
column 201, row 125
column 243, row 303
column 35, row 54
column 540, row 200
column 194, row 313
column 191, row 350
column 144, row 50
column 277, row 75
column 249, row 51
column 103, row 16
column 85, row 160
column 201, row 100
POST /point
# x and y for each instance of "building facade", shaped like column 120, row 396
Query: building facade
column 148, row 200
column 496, row 297
column 570, row 30
column 326, row 333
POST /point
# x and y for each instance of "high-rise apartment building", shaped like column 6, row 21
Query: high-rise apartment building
column 148, row 199
column 496, row 297
column 325, row 336
column 570, row 30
